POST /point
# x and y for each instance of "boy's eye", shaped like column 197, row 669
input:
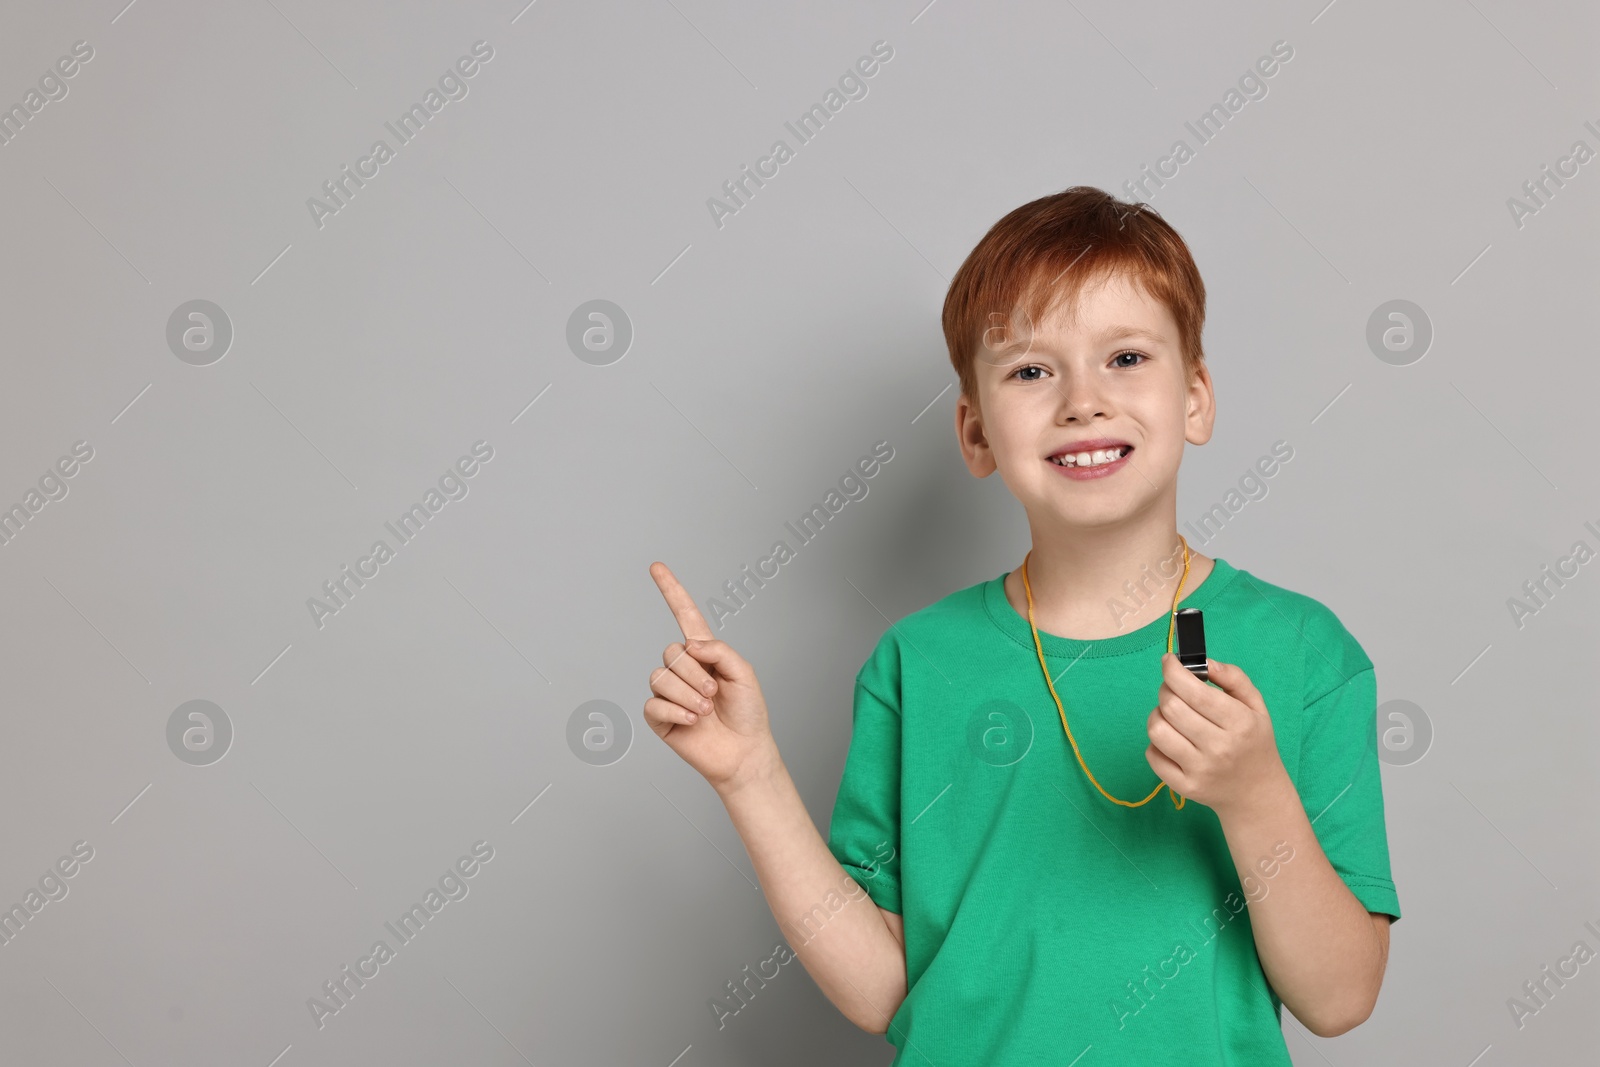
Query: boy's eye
column 1022, row 372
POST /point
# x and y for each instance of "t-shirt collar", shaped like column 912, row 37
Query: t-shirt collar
column 1015, row 625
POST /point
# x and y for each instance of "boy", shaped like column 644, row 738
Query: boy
column 1033, row 897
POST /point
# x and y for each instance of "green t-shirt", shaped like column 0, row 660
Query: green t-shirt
column 1041, row 920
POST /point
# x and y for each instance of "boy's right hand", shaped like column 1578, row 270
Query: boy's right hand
column 729, row 741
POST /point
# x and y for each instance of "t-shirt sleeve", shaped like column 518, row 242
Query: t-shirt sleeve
column 1342, row 789
column 864, row 831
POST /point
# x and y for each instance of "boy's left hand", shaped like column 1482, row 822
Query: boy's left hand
column 1213, row 744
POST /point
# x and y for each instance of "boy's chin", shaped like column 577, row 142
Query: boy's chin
column 1085, row 514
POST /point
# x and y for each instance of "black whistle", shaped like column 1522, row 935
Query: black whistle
column 1192, row 642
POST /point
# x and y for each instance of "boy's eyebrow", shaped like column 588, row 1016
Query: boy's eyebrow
column 1115, row 333
column 1110, row 333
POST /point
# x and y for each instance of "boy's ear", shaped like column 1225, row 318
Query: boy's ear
column 1201, row 408
column 974, row 445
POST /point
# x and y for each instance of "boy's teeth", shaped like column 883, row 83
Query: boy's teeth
column 1091, row 459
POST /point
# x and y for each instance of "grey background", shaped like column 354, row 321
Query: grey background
column 768, row 355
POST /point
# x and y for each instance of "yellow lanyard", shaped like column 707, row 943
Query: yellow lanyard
column 1172, row 618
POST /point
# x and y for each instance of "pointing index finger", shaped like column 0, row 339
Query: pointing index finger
column 690, row 621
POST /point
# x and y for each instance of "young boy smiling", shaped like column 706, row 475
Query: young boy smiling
column 1037, row 899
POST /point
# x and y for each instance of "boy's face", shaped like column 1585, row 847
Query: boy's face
column 1111, row 370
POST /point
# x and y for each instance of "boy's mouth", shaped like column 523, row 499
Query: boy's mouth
column 1102, row 452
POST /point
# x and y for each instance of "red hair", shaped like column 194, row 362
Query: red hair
column 1043, row 254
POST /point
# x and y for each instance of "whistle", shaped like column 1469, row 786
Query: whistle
column 1192, row 642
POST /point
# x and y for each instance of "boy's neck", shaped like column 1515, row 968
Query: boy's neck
column 1081, row 581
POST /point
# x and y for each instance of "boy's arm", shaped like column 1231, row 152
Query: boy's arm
column 1323, row 952
column 854, row 954
column 1317, row 942
column 709, row 709
column 897, row 925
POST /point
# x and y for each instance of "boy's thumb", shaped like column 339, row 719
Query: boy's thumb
column 720, row 654
column 1231, row 679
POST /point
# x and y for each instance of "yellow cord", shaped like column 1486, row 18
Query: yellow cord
column 1172, row 619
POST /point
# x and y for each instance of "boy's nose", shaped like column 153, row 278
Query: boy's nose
column 1081, row 401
